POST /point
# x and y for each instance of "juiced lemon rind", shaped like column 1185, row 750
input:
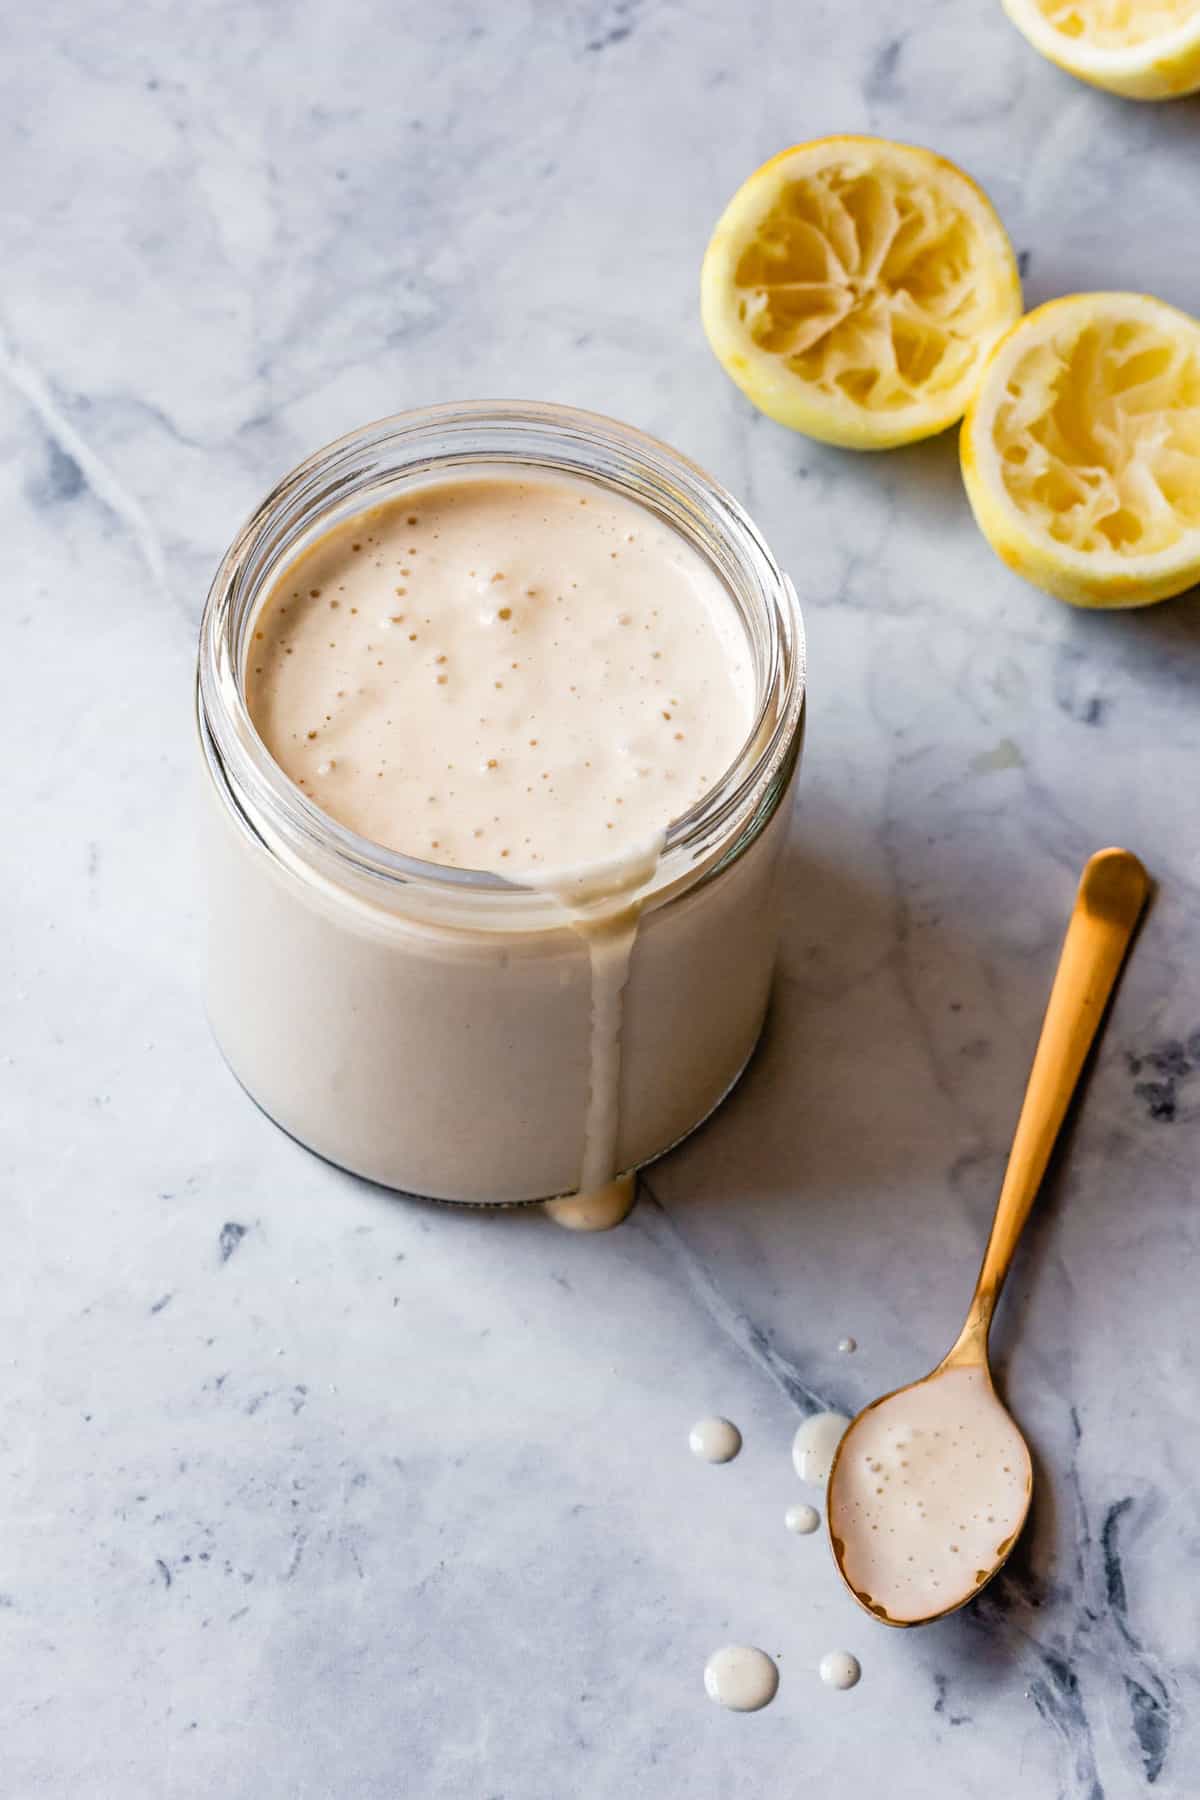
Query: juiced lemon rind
column 853, row 287
column 1164, row 65
column 1080, row 449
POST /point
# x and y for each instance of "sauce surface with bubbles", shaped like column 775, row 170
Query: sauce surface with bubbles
column 509, row 673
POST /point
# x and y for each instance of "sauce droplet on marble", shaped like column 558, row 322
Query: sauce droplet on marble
column 839, row 1669
column 815, row 1444
column 714, row 1440
column 802, row 1519
column 741, row 1678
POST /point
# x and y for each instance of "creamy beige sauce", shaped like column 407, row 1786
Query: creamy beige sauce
column 803, row 1520
column 815, row 1446
column 517, row 674
column 526, row 676
column 838, row 1669
column 931, row 1487
column 740, row 1677
column 714, row 1440
column 596, row 1209
column 610, row 940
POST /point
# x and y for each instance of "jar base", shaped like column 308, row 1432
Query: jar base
column 485, row 1205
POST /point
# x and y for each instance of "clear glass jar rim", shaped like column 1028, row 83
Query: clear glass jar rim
column 529, row 433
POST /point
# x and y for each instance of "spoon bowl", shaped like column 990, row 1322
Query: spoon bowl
column 931, row 1484
column 943, row 1463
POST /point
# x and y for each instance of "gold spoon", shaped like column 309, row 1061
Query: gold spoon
column 899, row 1540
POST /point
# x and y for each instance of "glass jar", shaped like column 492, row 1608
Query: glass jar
column 428, row 1027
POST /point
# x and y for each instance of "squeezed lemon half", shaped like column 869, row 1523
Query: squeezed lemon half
column 1081, row 449
column 1144, row 49
column 853, row 288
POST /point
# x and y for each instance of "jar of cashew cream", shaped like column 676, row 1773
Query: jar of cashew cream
column 500, row 708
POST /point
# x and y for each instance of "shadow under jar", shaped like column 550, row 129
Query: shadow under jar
column 434, row 1028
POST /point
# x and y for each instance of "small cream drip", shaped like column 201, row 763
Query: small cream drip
column 714, row 1440
column 802, row 1519
column 610, row 946
column 604, row 908
column 839, row 1669
column 815, row 1444
column 741, row 1678
column 600, row 1210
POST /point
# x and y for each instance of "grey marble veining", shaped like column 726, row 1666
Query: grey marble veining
column 308, row 1492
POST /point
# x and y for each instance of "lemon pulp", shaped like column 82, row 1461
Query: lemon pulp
column 1142, row 49
column 1116, row 24
column 1081, row 450
column 853, row 286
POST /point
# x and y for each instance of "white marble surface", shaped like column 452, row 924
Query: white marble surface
column 309, row 1492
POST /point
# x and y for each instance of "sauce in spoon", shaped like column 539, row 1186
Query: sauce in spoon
column 933, row 1486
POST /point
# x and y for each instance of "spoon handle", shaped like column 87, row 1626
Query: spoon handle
column 1112, row 892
